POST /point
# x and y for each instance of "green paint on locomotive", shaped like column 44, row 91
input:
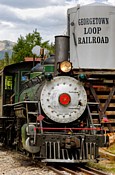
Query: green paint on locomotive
column 23, row 134
column 29, row 93
column 35, row 74
column 49, row 68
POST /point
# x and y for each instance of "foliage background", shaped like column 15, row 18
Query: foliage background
column 23, row 48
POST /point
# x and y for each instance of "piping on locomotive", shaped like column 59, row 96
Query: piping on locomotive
column 48, row 115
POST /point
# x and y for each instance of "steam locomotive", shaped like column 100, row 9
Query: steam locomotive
column 52, row 110
column 47, row 114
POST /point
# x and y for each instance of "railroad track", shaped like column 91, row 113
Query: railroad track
column 91, row 171
column 59, row 170
column 62, row 170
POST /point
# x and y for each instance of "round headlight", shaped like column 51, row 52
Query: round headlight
column 65, row 66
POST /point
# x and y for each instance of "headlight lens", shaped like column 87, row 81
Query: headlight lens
column 65, row 66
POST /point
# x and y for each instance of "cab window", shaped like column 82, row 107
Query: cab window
column 8, row 83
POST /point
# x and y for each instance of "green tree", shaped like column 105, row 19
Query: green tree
column 24, row 46
column 1, row 64
column 52, row 48
column 49, row 47
column 6, row 59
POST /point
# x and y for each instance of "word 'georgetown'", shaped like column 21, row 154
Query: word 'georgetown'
column 88, row 21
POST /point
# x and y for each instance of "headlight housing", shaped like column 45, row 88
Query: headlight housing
column 65, row 66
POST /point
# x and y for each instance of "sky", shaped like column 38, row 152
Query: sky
column 49, row 17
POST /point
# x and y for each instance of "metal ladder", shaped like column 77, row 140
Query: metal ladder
column 38, row 112
column 92, row 114
column 28, row 112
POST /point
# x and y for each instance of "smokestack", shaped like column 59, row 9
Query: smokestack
column 61, row 49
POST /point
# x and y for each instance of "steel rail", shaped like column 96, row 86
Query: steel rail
column 55, row 170
column 91, row 171
column 69, row 171
column 86, row 170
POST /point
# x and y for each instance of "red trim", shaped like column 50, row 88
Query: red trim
column 31, row 59
column 75, row 129
column 98, row 86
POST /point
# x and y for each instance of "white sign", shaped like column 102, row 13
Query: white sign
column 93, row 44
column 36, row 50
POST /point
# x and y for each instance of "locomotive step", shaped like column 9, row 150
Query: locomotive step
column 97, row 124
column 34, row 113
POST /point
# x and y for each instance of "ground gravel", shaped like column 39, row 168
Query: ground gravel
column 12, row 163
